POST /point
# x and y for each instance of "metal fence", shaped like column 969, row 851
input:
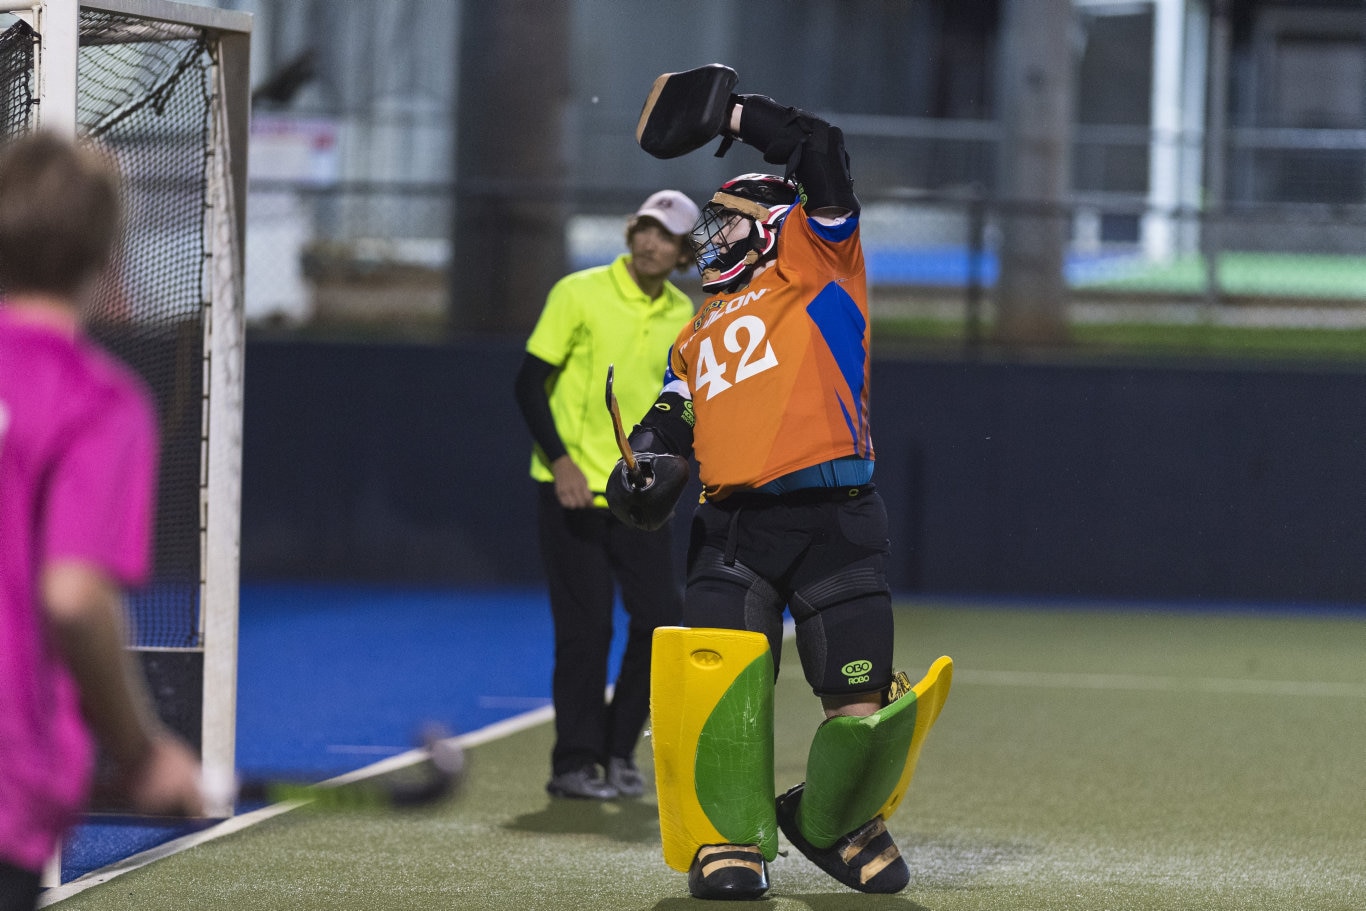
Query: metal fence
column 1253, row 265
column 377, row 254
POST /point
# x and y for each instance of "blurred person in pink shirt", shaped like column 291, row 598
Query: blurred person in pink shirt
column 78, row 453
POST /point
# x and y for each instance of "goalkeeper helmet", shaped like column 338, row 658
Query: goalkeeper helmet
column 738, row 230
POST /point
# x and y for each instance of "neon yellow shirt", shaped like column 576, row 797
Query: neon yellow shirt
column 594, row 318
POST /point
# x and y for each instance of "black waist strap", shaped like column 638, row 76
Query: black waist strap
column 749, row 498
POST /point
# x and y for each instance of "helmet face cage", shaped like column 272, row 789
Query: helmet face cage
column 738, row 230
column 722, row 238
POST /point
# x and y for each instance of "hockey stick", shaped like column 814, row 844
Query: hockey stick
column 438, row 771
column 623, row 444
column 422, row 777
column 437, row 775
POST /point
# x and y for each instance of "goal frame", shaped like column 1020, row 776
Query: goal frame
column 56, row 91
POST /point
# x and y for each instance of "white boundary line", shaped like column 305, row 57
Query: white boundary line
column 1149, row 683
column 103, row 875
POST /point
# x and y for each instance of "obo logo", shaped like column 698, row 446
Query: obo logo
column 857, row 671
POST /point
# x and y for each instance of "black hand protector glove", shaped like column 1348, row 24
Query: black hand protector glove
column 685, row 110
column 647, row 502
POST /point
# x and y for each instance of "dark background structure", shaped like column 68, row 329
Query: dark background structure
column 402, row 463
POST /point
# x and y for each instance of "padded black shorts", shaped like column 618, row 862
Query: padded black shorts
column 819, row 553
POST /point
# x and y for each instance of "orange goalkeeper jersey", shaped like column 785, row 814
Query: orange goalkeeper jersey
column 778, row 372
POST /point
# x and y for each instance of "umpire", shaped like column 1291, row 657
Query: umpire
column 624, row 314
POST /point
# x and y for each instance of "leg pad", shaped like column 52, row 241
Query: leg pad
column 711, row 709
column 859, row 768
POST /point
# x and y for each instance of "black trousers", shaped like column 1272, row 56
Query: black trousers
column 19, row 889
column 588, row 555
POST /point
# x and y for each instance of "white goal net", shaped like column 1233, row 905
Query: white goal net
column 163, row 87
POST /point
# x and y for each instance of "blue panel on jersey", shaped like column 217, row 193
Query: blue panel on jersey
column 834, row 233
column 842, row 326
column 669, row 375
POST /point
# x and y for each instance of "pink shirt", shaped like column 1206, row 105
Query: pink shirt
column 77, row 473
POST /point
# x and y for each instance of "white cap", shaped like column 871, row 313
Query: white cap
column 676, row 212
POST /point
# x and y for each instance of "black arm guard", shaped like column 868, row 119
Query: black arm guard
column 809, row 149
column 649, row 504
column 666, row 427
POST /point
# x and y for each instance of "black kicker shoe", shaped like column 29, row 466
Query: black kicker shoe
column 728, row 872
column 866, row 859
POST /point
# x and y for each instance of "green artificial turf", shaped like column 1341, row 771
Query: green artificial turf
column 1241, row 273
column 1085, row 760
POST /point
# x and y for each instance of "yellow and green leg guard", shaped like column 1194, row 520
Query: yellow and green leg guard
column 711, row 711
column 859, row 768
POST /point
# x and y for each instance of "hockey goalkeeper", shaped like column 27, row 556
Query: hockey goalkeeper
column 768, row 388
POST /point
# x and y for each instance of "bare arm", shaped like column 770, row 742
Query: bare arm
column 157, row 771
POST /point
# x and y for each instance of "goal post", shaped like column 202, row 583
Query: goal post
column 163, row 87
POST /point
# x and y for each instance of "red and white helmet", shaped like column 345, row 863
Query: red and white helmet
column 738, row 230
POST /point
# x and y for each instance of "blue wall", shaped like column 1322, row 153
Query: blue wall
column 407, row 463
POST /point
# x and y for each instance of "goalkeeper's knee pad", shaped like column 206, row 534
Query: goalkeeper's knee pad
column 711, row 708
column 859, row 768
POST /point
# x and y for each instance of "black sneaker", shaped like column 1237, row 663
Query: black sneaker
column 728, row 872
column 866, row 859
column 623, row 775
column 584, row 783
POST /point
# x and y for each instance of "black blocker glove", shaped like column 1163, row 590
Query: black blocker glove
column 647, row 502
